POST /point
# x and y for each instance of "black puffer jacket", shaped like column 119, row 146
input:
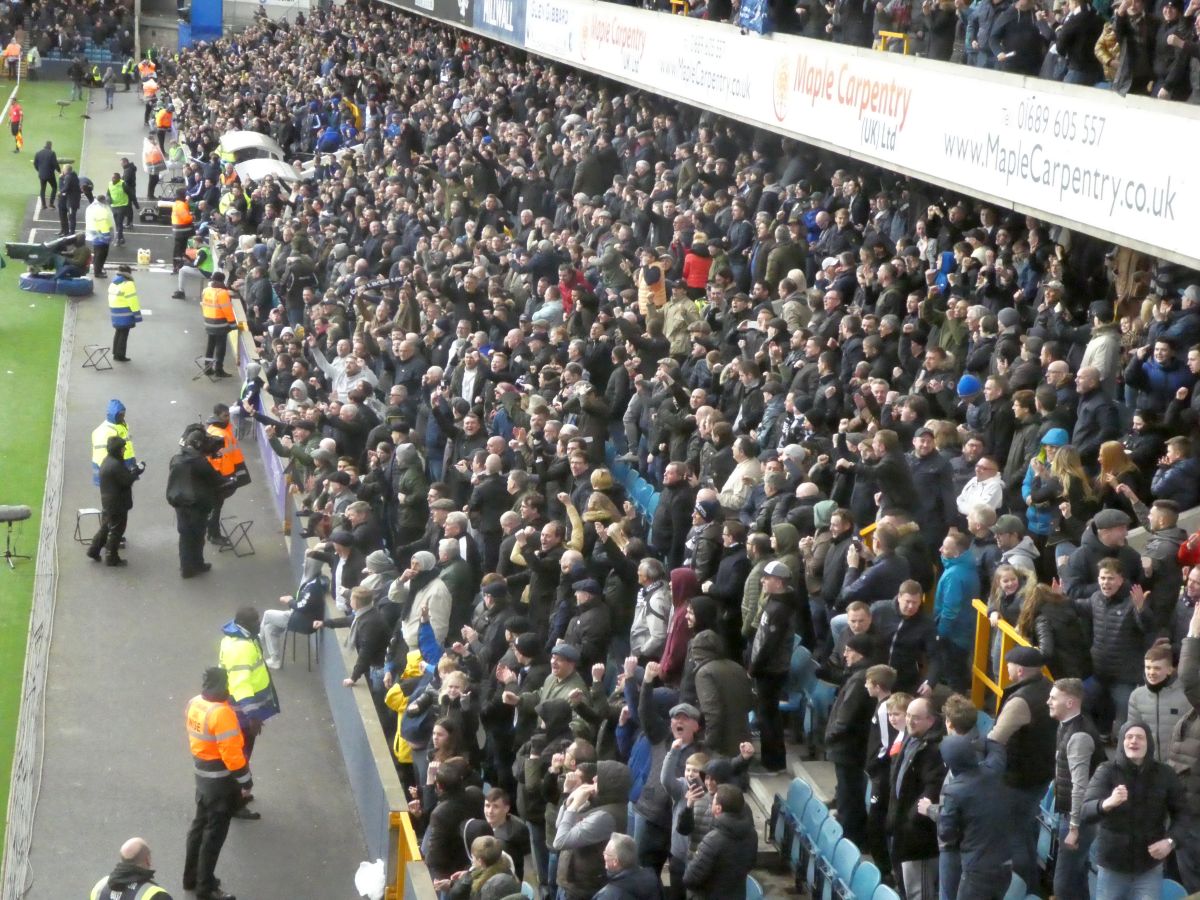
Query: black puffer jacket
column 1120, row 634
column 723, row 859
column 1079, row 575
column 1155, row 797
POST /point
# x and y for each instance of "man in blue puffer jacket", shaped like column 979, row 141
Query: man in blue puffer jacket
column 1157, row 380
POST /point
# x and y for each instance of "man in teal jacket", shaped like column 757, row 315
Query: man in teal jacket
column 952, row 611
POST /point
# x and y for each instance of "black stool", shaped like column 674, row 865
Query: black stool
column 314, row 637
column 236, row 535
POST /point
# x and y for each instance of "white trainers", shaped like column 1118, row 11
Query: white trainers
column 274, row 663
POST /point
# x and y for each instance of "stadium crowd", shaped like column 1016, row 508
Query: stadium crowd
column 501, row 276
column 1131, row 46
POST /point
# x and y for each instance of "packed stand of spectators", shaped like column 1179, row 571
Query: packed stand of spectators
column 1131, row 46
column 515, row 272
column 66, row 29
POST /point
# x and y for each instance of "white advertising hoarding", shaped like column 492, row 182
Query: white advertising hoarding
column 1118, row 167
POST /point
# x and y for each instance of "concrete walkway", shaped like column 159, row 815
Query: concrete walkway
column 129, row 645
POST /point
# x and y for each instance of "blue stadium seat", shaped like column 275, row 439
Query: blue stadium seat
column 793, row 703
column 883, row 892
column 815, row 815
column 610, row 454
column 630, row 478
column 866, row 879
column 619, row 471
column 1173, row 890
column 642, row 492
column 846, row 858
column 820, row 865
column 798, row 795
column 1016, row 888
column 527, row 890
column 984, row 723
column 1047, row 830
column 652, row 505
column 754, row 890
column 820, row 696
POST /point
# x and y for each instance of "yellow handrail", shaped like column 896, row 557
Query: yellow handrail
column 405, row 849
column 885, row 37
column 981, row 682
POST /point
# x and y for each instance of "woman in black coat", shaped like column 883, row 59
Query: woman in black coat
column 1051, row 623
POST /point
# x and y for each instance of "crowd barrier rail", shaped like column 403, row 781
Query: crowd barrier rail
column 982, row 682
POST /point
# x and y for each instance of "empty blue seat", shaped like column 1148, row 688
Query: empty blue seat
column 652, row 505
column 845, row 860
column 805, row 848
column 819, row 697
column 798, row 795
column 866, row 879
column 642, row 492
column 820, row 865
column 1173, row 890
column 630, row 478
column 883, row 892
column 754, row 890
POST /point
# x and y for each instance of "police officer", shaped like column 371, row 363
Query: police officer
column 192, row 488
column 222, row 780
column 123, row 310
column 114, row 424
column 132, row 878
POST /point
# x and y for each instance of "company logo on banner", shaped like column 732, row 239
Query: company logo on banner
column 550, row 27
column 458, row 11
column 503, row 18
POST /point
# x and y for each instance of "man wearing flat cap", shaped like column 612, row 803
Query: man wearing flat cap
column 1103, row 538
column 564, row 680
column 1028, row 733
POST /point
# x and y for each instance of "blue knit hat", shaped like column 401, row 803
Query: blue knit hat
column 968, row 386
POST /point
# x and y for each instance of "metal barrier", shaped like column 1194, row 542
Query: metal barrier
column 404, row 851
column 982, row 683
column 884, row 43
